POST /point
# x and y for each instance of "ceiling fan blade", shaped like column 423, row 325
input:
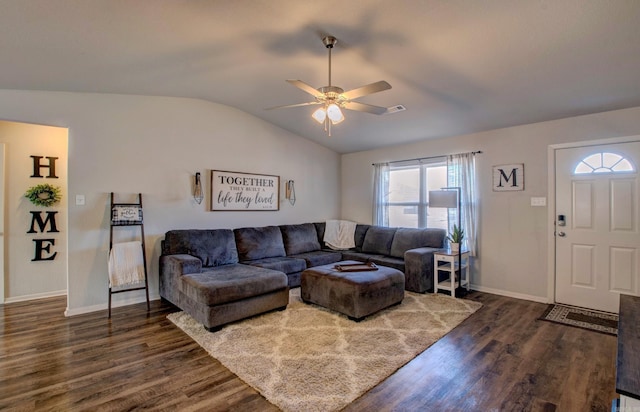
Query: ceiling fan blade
column 292, row 105
column 368, row 108
column 305, row 87
column 365, row 90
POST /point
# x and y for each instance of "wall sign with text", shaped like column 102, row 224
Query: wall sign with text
column 235, row 191
column 126, row 214
column 44, row 246
column 508, row 177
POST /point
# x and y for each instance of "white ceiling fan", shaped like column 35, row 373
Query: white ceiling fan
column 333, row 98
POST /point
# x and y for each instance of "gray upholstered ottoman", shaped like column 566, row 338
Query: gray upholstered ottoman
column 355, row 294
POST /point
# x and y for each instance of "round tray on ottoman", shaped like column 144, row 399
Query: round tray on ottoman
column 356, row 293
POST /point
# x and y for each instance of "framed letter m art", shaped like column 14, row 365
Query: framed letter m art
column 508, row 178
column 243, row 191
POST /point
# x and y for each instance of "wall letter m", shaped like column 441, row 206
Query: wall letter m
column 513, row 175
column 36, row 218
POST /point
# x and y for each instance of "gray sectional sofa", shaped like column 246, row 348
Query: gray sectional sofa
column 200, row 274
column 221, row 275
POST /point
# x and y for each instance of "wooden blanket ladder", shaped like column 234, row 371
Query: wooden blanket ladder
column 128, row 214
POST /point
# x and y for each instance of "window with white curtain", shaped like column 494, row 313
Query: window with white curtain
column 401, row 191
column 407, row 202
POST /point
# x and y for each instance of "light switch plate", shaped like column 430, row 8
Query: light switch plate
column 538, row 201
column 79, row 200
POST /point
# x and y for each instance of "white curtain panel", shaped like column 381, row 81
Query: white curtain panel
column 461, row 172
column 380, row 194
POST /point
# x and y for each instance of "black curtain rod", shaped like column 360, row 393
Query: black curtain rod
column 425, row 158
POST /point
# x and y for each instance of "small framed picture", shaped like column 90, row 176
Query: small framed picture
column 124, row 214
column 508, row 178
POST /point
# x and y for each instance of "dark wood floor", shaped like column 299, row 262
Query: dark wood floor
column 499, row 359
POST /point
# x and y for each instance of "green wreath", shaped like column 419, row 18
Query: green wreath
column 44, row 195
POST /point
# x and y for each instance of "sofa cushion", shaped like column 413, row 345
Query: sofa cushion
column 214, row 247
column 282, row 264
column 319, row 257
column 406, row 238
column 359, row 256
column 388, row 261
column 378, row 240
column 259, row 242
column 320, row 228
column 299, row 238
column 231, row 283
column 361, row 231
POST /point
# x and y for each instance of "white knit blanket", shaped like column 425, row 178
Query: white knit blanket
column 126, row 265
column 339, row 234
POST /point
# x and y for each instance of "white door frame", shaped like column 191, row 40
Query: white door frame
column 2, row 226
column 551, row 205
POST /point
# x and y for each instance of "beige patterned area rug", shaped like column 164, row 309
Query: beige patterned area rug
column 307, row 358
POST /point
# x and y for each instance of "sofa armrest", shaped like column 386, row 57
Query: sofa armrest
column 419, row 269
column 181, row 264
column 171, row 268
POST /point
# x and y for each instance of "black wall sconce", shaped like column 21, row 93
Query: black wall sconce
column 290, row 192
column 198, row 194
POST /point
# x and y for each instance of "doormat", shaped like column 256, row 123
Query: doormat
column 602, row 322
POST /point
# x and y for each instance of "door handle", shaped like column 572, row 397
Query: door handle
column 562, row 234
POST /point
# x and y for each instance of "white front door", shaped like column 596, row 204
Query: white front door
column 597, row 225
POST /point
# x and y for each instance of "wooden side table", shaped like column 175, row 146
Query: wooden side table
column 447, row 262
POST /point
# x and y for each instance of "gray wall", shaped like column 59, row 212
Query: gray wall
column 154, row 145
column 514, row 235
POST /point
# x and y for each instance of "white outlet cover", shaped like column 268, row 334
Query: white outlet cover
column 538, row 201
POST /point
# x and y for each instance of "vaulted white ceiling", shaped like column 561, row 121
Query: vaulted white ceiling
column 457, row 66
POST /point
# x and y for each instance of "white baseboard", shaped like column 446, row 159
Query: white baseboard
column 540, row 299
column 141, row 299
column 34, row 296
column 104, row 306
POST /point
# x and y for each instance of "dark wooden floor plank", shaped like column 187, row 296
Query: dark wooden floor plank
column 501, row 358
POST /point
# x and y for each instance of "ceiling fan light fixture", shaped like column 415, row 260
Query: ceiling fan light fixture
column 333, row 99
column 334, row 113
column 319, row 115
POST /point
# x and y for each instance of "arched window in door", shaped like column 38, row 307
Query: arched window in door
column 603, row 162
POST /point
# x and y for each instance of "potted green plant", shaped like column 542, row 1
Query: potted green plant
column 455, row 238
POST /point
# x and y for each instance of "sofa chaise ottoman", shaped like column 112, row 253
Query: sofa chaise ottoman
column 200, row 273
column 355, row 294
